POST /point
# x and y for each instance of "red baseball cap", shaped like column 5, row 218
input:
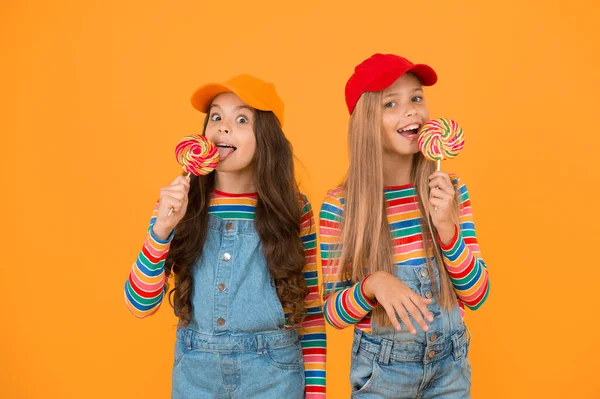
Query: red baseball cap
column 379, row 71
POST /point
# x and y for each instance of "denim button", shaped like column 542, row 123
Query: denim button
column 226, row 257
column 431, row 354
column 428, row 295
column 221, row 287
column 433, row 338
column 221, row 321
column 229, row 226
column 424, row 272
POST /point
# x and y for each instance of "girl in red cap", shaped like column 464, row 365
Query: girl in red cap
column 398, row 245
column 241, row 245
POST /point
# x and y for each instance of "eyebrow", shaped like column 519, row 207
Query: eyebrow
column 395, row 94
column 236, row 108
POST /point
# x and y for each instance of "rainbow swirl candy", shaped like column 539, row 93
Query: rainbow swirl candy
column 441, row 139
column 197, row 154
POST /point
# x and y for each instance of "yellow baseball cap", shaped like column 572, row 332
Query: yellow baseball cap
column 251, row 90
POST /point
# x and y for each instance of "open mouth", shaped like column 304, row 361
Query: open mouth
column 225, row 150
column 410, row 132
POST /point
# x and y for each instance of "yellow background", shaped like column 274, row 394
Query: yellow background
column 95, row 95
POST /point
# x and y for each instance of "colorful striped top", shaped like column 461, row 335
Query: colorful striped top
column 145, row 288
column 345, row 303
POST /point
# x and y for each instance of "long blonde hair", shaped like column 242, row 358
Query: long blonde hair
column 366, row 241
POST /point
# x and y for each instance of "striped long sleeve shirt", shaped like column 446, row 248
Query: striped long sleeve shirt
column 345, row 303
column 146, row 288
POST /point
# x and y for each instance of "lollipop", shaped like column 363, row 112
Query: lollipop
column 197, row 155
column 441, row 139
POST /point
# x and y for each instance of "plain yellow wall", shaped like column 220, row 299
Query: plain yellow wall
column 95, row 96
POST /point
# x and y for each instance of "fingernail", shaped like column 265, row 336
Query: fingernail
column 414, row 332
column 426, row 328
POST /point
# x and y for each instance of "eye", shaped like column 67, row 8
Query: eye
column 241, row 119
column 215, row 117
column 417, row 99
column 391, row 104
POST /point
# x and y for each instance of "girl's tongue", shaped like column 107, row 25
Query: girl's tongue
column 224, row 152
column 410, row 134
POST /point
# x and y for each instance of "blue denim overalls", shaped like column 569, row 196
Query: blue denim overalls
column 397, row 364
column 235, row 345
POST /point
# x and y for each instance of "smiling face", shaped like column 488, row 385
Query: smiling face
column 231, row 127
column 404, row 111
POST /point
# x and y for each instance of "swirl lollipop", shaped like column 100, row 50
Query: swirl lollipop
column 197, row 155
column 441, row 139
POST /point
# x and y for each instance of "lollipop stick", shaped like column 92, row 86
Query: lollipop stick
column 188, row 179
column 438, row 169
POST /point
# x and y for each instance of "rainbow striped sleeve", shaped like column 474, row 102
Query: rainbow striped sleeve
column 345, row 304
column 312, row 329
column 468, row 272
column 145, row 288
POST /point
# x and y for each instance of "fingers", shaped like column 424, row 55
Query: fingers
column 415, row 307
column 168, row 203
column 179, row 192
column 389, row 309
column 438, row 204
column 437, row 192
column 401, row 311
column 441, row 184
column 181, row 180
column 421, row 303
column 439, row 174
column 416, row 315
column 400, row 301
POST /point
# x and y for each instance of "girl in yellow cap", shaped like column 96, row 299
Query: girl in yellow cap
column 241, row 245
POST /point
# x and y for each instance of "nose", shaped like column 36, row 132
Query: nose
column 410, row 110
column 224, row 129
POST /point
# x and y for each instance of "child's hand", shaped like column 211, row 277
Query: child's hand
column 397, row 298
column 174, row 196
column 441, row 200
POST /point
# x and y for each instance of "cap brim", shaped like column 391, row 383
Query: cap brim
column 425, row 73
column 204, row 95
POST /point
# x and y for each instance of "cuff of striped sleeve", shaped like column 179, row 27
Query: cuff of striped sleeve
column 158, row 240
column 314, row 372
column 454, row 252
column 372, row 302
column 452, row 243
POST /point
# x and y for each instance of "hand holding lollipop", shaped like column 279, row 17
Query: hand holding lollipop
column 197, row 155
column 441, row 139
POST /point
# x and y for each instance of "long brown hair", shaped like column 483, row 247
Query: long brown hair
column 277, row 222
column 366, row 241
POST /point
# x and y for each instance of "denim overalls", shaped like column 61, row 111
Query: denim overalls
column 235, row 345
column 397, row 364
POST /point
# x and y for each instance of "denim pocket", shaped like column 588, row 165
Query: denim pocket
column 180, row 351
column 285, row 358
column 363, row 372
